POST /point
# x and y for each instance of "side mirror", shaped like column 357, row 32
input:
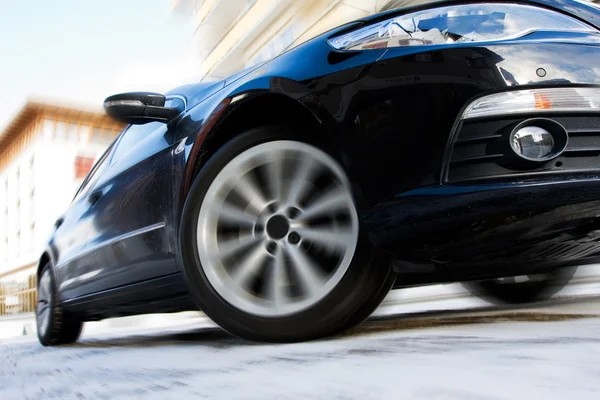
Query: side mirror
column 141, row 107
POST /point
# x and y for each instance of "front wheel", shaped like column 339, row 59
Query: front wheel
column 271, row 242
column 521, row 289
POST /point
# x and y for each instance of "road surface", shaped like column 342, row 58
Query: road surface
column 549, row 351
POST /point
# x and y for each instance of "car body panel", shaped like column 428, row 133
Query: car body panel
column 197, row 92
column 377, row 109
column 532, row 220
column 127, row 240
column 390, row 116
column 378, row 106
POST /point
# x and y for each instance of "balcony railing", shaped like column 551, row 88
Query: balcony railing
column 18, row 291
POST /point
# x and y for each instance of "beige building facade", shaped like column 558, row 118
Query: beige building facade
column 45, row 152
column 231, row 35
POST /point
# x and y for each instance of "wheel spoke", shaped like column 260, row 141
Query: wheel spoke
column 308, row 272
column 522, row 278
column 43, row 318
column 235, row 215
column 248, row 266
column 250, row 262
column 537, row 277
column 233, row 246
column 44, row 286
column 42, row 307
column 300, row 182
column 42, row 295
column 46, row 283
column 336, row 199
column 274, row 177
column 323, row 236
column 250, row 191
column 508, row 280
column 275, row 287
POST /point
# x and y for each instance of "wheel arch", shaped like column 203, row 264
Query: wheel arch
column 44, row 259
column 237, row 117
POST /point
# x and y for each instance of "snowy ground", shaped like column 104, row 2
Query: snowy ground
column 423, row 343
column 472, row 351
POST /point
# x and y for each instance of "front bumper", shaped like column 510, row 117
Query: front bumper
column 555, row 219
column 479, row 149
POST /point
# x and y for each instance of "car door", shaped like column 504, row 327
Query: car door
column 73, row 231
column 130, row 213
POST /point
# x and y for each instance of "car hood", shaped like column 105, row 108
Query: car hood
column 195, row 93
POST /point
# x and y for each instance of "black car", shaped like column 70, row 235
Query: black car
column 451, row 141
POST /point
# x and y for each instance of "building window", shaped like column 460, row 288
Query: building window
column 111, row 134
column 97, row 135
column 61, row 131
column 18, row 236
column 48, row 128
column 84, row 133
column 83, row 165
column 18, row 181
column 274, row 47
column 72, row 133
column 32, row 235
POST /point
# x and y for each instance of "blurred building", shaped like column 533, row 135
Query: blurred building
column 45, row 152
column 231, row 35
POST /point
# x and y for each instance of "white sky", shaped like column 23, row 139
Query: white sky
column 85, row 50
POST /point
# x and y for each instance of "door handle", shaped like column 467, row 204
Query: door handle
column 94, row 197
column 59, row 222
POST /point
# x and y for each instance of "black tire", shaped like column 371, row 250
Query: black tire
column 363, row 287
column 543, row 288
column 60, row 328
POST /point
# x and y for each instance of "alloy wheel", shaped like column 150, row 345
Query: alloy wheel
column 277, row 229
column 44, row 303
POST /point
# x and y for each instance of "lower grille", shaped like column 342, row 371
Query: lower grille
column 477, row 152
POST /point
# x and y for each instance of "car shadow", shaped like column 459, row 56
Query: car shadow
column 210, row 337
column 217, row 338
column 482, row 315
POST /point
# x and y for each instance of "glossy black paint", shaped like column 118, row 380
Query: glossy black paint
column 390, row 117
column 142, row 107
column 475, row 157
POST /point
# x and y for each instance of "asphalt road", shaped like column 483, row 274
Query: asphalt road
column 549, row 351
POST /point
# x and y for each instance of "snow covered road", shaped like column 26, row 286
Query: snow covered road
column 549, row 351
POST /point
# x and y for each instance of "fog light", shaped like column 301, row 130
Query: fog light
column 532, row 142
column 537, row 140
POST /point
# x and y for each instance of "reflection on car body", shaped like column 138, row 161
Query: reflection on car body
column 417, row 146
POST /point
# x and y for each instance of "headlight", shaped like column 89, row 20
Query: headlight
column 458, row 24
column 535, row 101
column 589, row 3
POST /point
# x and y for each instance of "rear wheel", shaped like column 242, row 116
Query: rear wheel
column 521, row 289
column 54, row 327
column 271, row 242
